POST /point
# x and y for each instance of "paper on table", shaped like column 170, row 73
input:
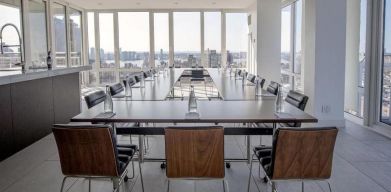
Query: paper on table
column 105, row 115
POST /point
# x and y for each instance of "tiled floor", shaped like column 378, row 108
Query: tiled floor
column 362, row 163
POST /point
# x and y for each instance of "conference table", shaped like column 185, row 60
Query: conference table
column 243, row 108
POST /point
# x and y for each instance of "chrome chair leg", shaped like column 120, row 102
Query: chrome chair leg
column 89, row 184
column 133, row 174
column 274, row 187
column 302, row 186
column 225, row 184
column 141, row 176
column 168, row 185
column 63, row 183
column 251, row 169
column 115, row 184
column 329, row 186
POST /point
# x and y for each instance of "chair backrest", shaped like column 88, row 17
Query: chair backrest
column 303, row 153
column 196, row 152
column 297, row 99
column 129, row 81
column 87, row 150
column 95, row 98
column 272, row 88
column 261, row 81
column 116, row 88
column 251, row 78
column 197, row 73
column 137, row 78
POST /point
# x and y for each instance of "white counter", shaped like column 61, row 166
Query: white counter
column 9, row 77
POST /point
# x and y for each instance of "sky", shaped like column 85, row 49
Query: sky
column 9, row 15
column 134, row 31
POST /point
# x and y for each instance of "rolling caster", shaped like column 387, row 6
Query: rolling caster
column 126, row 178
column 228, row 165
column 163, row 166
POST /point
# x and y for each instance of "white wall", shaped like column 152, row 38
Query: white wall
column 324, row 58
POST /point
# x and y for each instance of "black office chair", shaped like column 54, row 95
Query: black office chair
column 261, row 81
column 251, row 78
column 129, row 81
column 298, row 100
column 91, row 151
column 116, row 88
column 298, row 154
column 272, row 88
column 98, row 97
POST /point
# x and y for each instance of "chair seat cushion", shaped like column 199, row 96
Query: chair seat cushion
column 127, row 149
column 123, row 161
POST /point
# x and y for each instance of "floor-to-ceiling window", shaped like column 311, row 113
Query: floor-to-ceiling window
column 10, row 58
column 355, row 57
column 385, row 114
column 75, row 38
column 134, row 40
column 38, row 34
column 291, row 49
column 237, row 39
column 286, row 47
column 212, row 40
column 60, row 35
column 91, row 38
column 187, row 39
column 106, row 40
column 161, row 37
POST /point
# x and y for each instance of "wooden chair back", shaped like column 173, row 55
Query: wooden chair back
column 86, row 150
column 303, row 153
column 196, row 152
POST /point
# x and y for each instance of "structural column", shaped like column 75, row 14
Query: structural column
column 324, row 43
column 268, row 39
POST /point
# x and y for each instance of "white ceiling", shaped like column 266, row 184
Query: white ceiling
column 162, row 4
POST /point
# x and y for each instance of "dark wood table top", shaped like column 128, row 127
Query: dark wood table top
column 154, row 90
column 256, row 111
column 234, row 90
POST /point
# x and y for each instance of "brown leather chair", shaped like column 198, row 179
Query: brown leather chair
column 90, row 151
column 195, row 153
column 298, row 154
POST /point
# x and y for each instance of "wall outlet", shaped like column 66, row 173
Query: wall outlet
column 325, row 109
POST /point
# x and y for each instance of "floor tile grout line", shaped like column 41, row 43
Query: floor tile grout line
column 21, row 176
column 363, row 173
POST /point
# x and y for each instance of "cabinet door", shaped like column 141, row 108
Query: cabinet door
column 6, row 134
column 66, row 91
column 32, row 110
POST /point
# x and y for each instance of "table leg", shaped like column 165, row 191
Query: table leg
column 249, row 146
column 141, row 146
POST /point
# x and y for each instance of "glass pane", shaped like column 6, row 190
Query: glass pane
column 38, row 37
column 355, row 57
column 386, row 79
column 298, row 51
column 75, row 38
column 60, row 39
column 11, row 58
column 286, row 82
column 212, row 34
column 187, row 39
column 134, row 39
column 286, row 26
column 236, row 39
column 106, row 31
column 107, row 77
column 161, row 38
column 91, row 38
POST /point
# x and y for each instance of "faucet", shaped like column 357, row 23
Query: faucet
column 20, row 43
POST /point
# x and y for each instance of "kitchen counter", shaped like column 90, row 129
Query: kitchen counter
column 9, row 77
